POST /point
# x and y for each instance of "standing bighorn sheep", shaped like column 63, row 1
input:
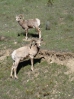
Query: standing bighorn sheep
column 20, row 54
column 27, row 24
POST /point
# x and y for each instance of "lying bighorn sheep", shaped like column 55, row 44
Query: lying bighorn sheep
column 20, row 54
column 30, row 23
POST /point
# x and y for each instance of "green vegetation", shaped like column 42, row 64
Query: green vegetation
column 46, row 81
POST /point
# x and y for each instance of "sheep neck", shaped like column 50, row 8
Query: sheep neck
column 21, row 22
column 34, row 48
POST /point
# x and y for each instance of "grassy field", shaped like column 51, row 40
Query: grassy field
column 46, row 81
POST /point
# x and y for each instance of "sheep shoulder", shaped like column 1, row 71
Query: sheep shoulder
column 23, row 24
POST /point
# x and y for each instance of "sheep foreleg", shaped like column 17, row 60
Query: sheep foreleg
column 12, row 69
column 15, row 68
column 32, row 64
column 39, row 32
column 26, row 30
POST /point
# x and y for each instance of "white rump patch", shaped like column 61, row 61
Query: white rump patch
column 38, row 21
column 13, row 55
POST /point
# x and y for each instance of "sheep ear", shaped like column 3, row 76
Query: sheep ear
column 23, row 16
column 30, row 46
column 33, row 42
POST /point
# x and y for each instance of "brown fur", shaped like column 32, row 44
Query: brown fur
column 27, row 24
column 23, row 52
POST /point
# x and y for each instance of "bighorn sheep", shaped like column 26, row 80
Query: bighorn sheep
column 21, row 53
column 27, row 24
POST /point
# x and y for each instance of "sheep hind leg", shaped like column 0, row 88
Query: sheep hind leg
column 15, row 68
column 26, row 34
column 32, row 64
column 39, row 32
column 15, row 76
column 12, row 70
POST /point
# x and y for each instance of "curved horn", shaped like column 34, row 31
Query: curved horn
column 22, row 16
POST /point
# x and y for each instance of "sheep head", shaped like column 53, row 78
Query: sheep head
column 36, row 42
column 19, row 17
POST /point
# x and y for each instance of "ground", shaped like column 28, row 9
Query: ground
column 53, row 75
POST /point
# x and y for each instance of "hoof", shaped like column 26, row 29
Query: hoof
column 11, row 76
column 26, row 38
column 16, row 77
column 31, row 69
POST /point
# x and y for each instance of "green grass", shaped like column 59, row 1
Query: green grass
column 46, row 81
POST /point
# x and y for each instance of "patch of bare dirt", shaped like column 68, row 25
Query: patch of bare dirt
column 30, row 39
column 4, row 54
column 2, row 38
column 62, row 58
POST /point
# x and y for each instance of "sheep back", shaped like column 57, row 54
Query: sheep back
column 20, row 53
